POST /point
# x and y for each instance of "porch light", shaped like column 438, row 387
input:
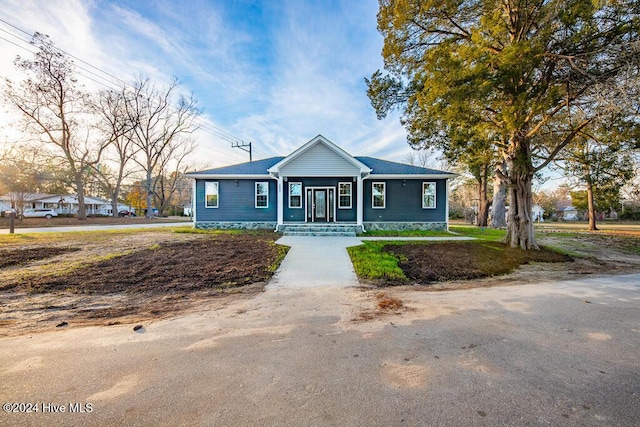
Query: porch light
column 404, row 182
column 237, row 183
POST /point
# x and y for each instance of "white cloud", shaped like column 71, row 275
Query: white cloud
column 276, row 77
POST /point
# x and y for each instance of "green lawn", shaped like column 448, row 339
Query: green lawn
column 481, row 233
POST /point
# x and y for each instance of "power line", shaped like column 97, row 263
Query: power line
column 204, row 125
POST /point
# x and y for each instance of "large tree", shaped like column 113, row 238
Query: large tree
column 57, row 110
column 163, row 126
column 513, row 66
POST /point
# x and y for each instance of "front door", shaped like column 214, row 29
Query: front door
column 320, row 205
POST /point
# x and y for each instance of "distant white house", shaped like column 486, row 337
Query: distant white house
column 61, row 203
column 537, row 213
column 569, row 214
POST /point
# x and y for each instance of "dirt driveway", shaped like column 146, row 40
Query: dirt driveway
column 562, row 353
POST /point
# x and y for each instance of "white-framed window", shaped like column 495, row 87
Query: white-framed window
column 428, row 195
column 378, row 195
column 262, row 194
column 211, row 199
column 344, row 195
column 295, row 195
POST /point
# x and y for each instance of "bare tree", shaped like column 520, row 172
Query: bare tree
column 160, row 127
column 118, row 129
column 174, row 165
column 57, row 110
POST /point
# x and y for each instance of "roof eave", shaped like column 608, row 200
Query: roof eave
column 229, row 176
column 411, row 176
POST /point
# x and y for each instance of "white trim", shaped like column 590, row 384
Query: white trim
column 360, row 202
column 384, row 195
column 235, row 176
column 217, row 195
column 435, row 195
column 255, row 195
column 446, row 208
column 350, row 184
column 313, row 212
column 194, row 203
column 280, row 203
column 289, row 184
column 410, row 176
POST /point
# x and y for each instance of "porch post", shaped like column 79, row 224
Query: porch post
column 280, row 202
column 360, row 203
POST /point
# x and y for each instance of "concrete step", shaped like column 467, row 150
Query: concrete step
column 347, row 230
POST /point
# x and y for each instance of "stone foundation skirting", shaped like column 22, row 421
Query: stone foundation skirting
column 235, row 225
column 401, row 226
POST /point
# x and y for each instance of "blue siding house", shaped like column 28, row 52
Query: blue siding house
column 321, row 183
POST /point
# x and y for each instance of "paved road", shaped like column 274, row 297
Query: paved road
column 547, row 354
column 93, row 227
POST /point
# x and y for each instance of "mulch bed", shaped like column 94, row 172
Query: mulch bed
column 222, row 261
column 438, row 262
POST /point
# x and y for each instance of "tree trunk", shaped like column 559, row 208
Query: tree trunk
column 520, row 231
column 114, row 206
column 592, row 207
column 149, row 185
column 82, row 208
column 499, row 211
column 483, row 202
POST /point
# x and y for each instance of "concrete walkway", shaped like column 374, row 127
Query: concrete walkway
column 316, row 261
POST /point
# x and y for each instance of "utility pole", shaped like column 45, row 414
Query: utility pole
column 243, row 146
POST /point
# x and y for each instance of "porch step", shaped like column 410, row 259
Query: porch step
column 335, row 230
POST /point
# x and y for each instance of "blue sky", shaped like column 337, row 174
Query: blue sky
column 275, row 73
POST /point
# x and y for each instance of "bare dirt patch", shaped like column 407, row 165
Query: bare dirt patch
column 385, row 305
column 444, row 261
column 92, row 220
column 132, row 277
column 23, row 256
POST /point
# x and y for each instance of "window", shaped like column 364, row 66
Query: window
column 344, row 193
column 428, row 195
column 295, row 195
column 378, row 195
column 210, row 194
column 262, row 194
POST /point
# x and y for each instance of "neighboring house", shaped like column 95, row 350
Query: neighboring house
column 569, row 214
column 537, row 213
column 20, row 201
column 61, row 203
column 68, row 204
column 321, row 183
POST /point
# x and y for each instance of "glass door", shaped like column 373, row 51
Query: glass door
column 320, row 205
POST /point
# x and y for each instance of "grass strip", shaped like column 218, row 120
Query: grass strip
column 372, row 263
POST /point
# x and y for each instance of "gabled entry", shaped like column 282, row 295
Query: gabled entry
column 320, row 158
